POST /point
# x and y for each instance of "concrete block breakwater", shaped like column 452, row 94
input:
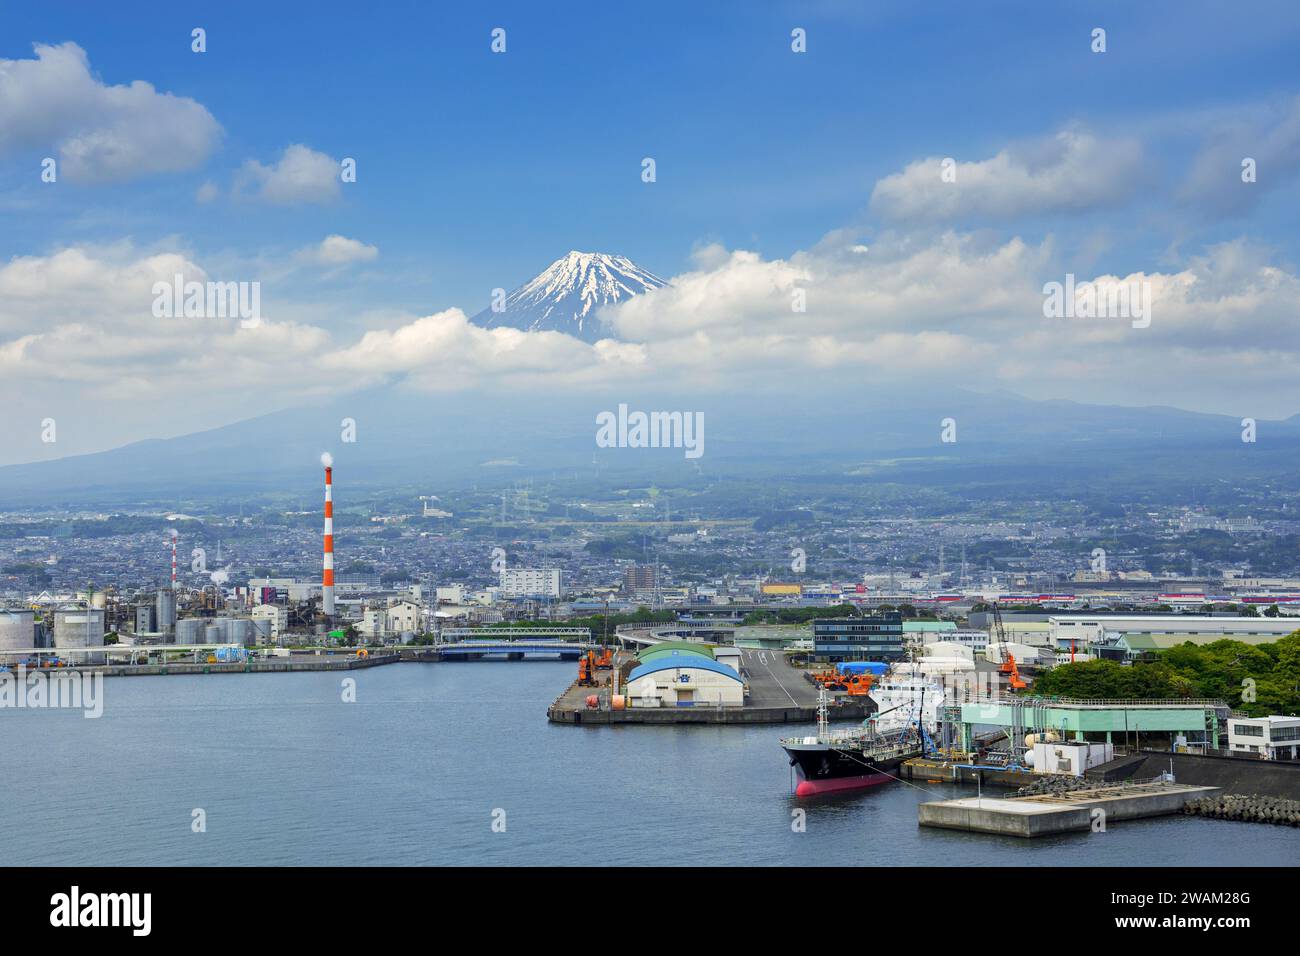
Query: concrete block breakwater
column 1248, row 809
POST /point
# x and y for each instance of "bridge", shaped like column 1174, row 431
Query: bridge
column 512, row 650
column 513, row 643
column 453, row 635
column 708, row 632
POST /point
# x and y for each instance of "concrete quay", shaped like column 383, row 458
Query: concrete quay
column 1070, row 812
column 271, row 665
column 778, row 694
column 558, row 713
column 932, row 770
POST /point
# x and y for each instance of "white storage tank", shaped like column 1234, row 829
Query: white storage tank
column 165, row 609
column 237, row 630
column 17, row 631
column 189, row 630
column 79, row 628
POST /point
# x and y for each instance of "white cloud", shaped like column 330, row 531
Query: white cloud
column 101, row 133
column 207, row 193
column 1069, row 172
column 302, row 175
column 77, row 330
column 336, row 250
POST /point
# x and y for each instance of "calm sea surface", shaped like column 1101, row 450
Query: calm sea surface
column 413, row 771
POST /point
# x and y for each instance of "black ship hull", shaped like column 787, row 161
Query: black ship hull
column 824, row 769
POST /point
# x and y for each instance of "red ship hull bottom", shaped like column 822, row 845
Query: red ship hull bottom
column 812, row 788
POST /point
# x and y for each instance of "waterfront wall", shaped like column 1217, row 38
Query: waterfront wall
column 265, row 666
column 699, row 715
column 1233, row 775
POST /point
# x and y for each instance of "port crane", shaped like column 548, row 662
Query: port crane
column 1008, row 660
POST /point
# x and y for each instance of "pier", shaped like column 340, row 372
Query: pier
column 1070, row 811
column 778, row 693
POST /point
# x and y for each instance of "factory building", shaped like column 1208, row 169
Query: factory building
column 1080, row 630
column 683, row 675
column 1134, row 646
column 271, row 620
column 399, row 617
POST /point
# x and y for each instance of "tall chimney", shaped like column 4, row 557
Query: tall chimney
column 327, row 579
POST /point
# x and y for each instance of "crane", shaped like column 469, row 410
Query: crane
column 1008, row 660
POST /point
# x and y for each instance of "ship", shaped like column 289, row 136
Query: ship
column 905, row 695
column 867, row 756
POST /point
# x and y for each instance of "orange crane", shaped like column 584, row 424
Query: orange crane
column 1008, row 665
column 587, row 669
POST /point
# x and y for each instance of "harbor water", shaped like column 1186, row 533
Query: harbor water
column 457, row 764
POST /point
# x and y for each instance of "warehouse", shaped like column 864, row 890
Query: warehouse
column 684, row 677
column 1080, row 630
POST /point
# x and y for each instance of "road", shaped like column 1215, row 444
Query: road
column 773, row 682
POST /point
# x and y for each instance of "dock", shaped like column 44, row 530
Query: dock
column 778, row 694
column 1070, row 811
column 935, row 770
column 261, row 665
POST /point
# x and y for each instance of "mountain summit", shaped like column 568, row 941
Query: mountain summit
column 566, row 296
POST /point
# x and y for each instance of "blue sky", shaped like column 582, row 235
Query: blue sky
column 475, row 170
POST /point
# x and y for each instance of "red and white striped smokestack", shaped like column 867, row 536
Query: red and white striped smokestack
column 327, row 576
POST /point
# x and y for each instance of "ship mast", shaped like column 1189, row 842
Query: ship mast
column 823, row 722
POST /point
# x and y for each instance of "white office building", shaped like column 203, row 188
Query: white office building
column 1273, row 738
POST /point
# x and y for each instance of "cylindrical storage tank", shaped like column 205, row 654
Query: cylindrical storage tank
column 212, row 634
column 17, row 631
column 96, row 599
column 80, row 628
column 165, row 609
column 239, row 630
column 261, row 627
column 189, row 630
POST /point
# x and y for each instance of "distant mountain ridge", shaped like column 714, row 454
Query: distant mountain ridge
column 479, row 435
column 567, row 294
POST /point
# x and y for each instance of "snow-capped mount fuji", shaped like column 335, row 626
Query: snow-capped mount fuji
column 567, row 294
